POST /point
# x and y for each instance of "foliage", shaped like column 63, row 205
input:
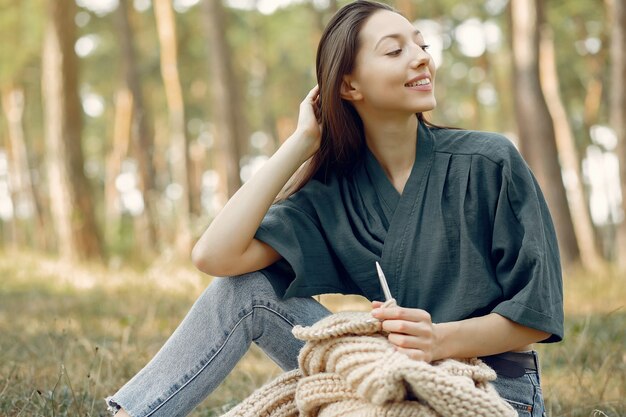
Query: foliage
column 21, row 21
column 273, row 57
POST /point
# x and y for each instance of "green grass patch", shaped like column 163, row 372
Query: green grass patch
column 71, row 335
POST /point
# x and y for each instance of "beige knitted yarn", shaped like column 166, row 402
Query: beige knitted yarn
column 348, row 368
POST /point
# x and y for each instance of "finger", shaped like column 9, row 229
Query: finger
column 313, row 92
column 414, row 354
column 404, row 341
column 409, row 342
column 412, row 328
column 376, row 304
column 401, row 313
column 317, row 108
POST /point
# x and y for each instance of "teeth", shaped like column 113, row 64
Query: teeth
column 423, row 81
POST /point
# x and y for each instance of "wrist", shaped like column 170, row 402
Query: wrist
column 306, row 142
column 444, row 345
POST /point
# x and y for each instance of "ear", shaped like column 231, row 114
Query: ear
column 349, row 89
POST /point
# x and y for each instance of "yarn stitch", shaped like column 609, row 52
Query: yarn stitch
column 348, row 368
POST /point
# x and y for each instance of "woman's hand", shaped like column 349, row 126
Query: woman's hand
column 309, row 127
column 411, row 330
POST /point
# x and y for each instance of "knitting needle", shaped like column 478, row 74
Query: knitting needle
column 383, row 282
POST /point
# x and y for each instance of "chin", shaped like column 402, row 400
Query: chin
column 423, row 109
column 428, row 107
column 423, row 105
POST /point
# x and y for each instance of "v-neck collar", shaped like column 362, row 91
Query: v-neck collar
column 389, row 195
column 401, row 210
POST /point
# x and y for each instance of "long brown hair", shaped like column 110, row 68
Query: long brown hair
column 343, row 141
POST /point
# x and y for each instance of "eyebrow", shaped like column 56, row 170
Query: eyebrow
column 395, row 36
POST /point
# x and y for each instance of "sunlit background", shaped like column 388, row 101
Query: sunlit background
column 271, row 49
column 126, row 125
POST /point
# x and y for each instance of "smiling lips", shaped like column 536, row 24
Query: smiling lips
column 421, row 82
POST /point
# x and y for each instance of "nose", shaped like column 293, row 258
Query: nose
column 420, row 57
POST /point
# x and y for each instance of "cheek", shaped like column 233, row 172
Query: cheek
column 382, row 80
column 383, row 94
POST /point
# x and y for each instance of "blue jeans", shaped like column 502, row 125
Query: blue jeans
column 523, row 393
column 217, row 332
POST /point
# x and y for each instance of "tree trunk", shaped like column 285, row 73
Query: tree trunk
column 115, row 157
column 225, row 95
column 141, row 134
column 594, row 90
column 536, row 130
column 23, row 192
column 568, row 155
column 70, row 196
column 166, row 27
column 618, row 108
column 12, row 102
column 595, row 65
column 259, row 74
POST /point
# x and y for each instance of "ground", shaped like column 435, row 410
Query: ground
column 70, row 335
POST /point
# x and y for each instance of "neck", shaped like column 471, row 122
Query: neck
column 393, row 144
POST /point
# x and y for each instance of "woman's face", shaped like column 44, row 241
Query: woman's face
column 393, row 72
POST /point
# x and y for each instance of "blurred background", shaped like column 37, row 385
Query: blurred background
column 125, row 125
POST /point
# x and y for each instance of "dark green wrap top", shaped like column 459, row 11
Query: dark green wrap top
column 470, row 234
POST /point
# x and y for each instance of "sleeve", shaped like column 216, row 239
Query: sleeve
column 308, row 266
column 525, row 253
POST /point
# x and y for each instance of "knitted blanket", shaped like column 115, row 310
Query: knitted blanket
column 348, row 368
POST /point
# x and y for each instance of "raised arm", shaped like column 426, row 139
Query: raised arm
column 228, row 247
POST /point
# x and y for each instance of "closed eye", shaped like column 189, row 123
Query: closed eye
column 394, row 53
column 399, row 51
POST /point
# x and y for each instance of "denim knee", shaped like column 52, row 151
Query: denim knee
column 239, row 288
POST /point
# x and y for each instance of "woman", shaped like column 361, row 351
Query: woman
column 455, row 218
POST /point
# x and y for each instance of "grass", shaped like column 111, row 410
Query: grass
column 71, row 335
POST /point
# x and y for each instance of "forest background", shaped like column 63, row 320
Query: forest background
column 126, row 125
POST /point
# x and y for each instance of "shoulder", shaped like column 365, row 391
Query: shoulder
column 307, row 199
column 494, row 147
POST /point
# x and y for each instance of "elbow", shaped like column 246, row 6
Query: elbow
column 199, row 259
column 204, row 260
column 209, row 261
